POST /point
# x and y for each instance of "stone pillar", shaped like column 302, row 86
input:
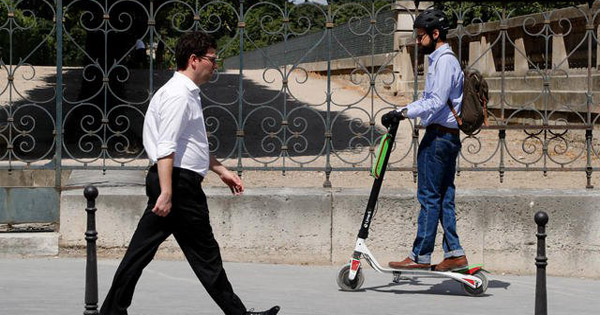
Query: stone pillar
column 487, row 61
column 521, row 64
column 598, row 49
column 559, row 53
column 484, row 64
column 474, row 53
column 403, row 66
column 404, row 30
column 404, row 20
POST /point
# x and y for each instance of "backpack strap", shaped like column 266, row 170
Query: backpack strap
column 458, row 119
column 485, row 117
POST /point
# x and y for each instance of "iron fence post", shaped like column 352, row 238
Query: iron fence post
column 590, row 28
column 329, row 134
column 91, row 267
column 415, row 133
column 589, row 146
column 502, row 139
column 152, row 26
column 239, row 134
column 503, row 101
column 541, row 261
column 59, row 95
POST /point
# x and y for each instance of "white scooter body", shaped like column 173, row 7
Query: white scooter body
column 362, row 248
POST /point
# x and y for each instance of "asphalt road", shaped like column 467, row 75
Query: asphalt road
column 55, row 286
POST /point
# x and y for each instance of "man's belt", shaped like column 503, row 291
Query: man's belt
column 441, row 128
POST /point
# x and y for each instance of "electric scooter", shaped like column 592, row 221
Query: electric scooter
column 351, row 278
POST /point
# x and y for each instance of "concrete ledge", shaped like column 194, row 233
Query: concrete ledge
column 318, row 226
column 284, row 226
column 28, row 244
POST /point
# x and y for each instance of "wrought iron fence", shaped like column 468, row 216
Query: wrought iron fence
column 77, row 77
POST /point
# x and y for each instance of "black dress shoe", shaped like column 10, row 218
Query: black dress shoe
column 272, row 311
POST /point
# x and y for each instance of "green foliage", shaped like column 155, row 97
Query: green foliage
column 32, row 39
column 72, row 55
column 169, row 57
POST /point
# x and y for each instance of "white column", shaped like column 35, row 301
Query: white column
column 521, row 64
column 474, row 53
column 403, row 66
column 487, row 61
column 559, row 53
column 598, row 49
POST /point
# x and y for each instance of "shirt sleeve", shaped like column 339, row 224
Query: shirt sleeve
column 436, row 99
column 173, row 117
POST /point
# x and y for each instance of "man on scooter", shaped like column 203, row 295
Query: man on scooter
column 439, row 148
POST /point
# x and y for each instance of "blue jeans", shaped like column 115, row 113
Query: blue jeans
column 436, row 162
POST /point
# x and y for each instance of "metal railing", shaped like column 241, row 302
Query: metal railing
column 73, row 93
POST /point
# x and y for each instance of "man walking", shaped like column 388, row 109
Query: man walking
column 439, row 148
column 175, row 140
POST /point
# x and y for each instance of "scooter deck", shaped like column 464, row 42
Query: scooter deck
column 470, row 269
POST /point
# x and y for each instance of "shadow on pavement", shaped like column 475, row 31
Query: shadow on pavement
column 498, row 284
column 446, row 287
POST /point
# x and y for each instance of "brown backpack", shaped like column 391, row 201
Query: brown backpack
column 473, row 110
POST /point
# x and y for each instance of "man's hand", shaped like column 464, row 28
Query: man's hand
column 233, row 181
column 165, row 174
column 393, row 116
column 163, row 205
column 229, row 178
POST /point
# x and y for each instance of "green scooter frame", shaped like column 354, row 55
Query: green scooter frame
column 351, row 278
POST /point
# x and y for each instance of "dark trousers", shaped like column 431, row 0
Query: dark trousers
column 189, row 222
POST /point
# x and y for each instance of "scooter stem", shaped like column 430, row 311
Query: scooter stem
column 363, row 233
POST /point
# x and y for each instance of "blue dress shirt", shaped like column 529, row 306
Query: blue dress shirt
column 444, row 81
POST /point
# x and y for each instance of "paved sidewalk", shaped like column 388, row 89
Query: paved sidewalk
column 55, row 286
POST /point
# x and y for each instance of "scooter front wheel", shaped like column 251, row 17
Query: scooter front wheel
column 481, row 289
column 350, row 285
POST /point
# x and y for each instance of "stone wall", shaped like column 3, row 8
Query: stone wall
column 319, row 226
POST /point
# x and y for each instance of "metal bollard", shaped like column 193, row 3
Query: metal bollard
column 541, row 261
column 91, row 267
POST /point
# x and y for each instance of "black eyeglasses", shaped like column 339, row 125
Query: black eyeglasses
column 420, row 36
column 212, row 59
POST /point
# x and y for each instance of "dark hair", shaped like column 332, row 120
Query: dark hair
column 432, row 19
column 192, row 43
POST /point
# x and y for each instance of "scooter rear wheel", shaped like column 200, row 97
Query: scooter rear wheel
column 481, row 289
column 350, row 285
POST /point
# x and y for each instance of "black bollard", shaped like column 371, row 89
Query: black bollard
column 91, row 267
column 541, row 261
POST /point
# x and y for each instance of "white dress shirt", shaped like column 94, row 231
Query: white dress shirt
column 174, row 122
